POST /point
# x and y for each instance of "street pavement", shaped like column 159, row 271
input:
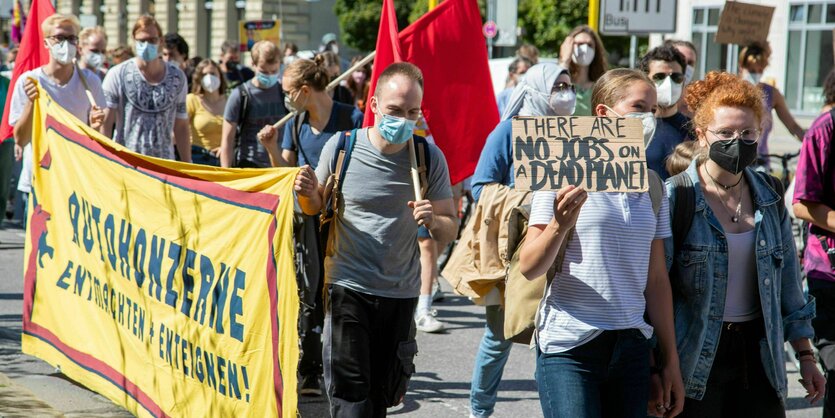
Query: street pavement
column 29, row 387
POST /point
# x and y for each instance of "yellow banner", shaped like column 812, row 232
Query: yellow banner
column 167, row 287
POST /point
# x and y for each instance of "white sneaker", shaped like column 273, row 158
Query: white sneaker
column 426, row 322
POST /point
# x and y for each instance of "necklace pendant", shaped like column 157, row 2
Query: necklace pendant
column 734, row 219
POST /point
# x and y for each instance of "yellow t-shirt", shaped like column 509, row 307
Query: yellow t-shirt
column 205, row 127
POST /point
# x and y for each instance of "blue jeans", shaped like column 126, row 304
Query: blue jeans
column 489, row 365
column 605, row 377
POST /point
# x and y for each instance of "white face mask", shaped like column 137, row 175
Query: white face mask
column 668, row 92
column 210, row 83
column 563, row 102
column 753, row 78
column 94, row 59
column 647, row 121
column 688, row 74
column 63, row 52
column 583, row 55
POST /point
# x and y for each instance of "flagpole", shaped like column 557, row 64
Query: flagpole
column 412, row 160
column 368, row 58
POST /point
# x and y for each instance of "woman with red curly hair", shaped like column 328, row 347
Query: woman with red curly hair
column 736, row 282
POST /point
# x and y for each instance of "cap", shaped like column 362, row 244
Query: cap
column 328, row 38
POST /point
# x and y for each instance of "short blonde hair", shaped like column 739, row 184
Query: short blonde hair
column 87, row 33
column 613, row 86
column 57, row 20
column 265, row 51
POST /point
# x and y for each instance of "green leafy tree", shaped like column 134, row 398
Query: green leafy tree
column 546, row 23
column 359, row 20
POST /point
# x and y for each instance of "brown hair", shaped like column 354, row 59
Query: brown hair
column 410, row 71
column 360, row 91
column 721, row 89
column 264, row 50
column 755, row 53
column 599, row 65
column 120, row 54
column 304, row 72
column 197, row 77
column 144, row 22
column 528, row 51
column 612, row 86
column 681, row 157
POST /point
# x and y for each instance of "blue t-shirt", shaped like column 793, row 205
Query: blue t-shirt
column 496, row 162
column 312, row 143
column 669, row 132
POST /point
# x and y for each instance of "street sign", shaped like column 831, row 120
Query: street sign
column 637, row 17
column 490, row 29
column 506, row 20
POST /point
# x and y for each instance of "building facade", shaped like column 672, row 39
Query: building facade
column 800, row 37
column 206, row 24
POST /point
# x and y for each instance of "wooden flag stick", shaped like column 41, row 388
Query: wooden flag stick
column 414, row 169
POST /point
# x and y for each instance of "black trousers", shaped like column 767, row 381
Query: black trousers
column 824, row 325
column 309, row 260
column 737, row 386
column 369, row 350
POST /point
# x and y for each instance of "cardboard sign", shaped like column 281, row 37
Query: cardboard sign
column 597, row 154
column 743, row 23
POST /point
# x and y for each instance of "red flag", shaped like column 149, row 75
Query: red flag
column 388, row 52
column 458, row 100
column 30, row 55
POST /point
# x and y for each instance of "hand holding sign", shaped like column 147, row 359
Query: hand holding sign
column 567, row 204
column 596, row 154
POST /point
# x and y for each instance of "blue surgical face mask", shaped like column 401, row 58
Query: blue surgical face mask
column 266, row 80
column 395, row 130
column 146, row 51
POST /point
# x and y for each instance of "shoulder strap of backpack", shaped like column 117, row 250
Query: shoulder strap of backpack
column 345, row 147
column 656, row 190
column 298, row 121
column 422, row 158
column 243, row 111
column 683, row 208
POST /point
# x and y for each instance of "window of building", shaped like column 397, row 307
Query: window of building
column 712, row 56
column 810, row 54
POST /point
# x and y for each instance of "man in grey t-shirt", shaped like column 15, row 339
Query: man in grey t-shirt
column 265, row 106
column 373, row 274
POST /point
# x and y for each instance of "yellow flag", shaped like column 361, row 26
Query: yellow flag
column 167, row 287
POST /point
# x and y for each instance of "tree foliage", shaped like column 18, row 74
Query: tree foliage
column 359, row 20
column 546, row 23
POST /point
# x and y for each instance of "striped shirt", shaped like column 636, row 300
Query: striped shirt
column 604, row 273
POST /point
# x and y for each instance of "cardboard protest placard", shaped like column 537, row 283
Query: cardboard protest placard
column 598, row 154
column 743, row 23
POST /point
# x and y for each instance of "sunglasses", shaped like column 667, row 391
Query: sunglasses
column 659, row 77
column 61, row 38
column 562, row 86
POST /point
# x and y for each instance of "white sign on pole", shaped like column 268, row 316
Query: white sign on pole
column 506, row 20
column 635, row 17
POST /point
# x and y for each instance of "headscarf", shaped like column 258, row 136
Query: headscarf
column 530, row 96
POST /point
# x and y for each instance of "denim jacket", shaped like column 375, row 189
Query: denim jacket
column 699, row 273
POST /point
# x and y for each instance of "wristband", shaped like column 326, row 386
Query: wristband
column 804, row 353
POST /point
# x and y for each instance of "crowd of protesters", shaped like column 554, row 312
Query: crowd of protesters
column 676, row 301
